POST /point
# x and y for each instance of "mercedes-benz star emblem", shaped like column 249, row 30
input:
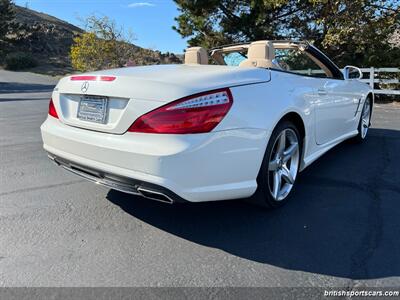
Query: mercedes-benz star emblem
column 85, row 87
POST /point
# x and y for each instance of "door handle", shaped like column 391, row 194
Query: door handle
column 321, row 91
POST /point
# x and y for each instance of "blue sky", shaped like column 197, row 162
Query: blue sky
column 150, row 21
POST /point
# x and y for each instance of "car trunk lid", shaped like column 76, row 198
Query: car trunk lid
column 132, row 92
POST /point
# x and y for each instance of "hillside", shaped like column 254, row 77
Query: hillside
column 31, row 17
column 49, row 40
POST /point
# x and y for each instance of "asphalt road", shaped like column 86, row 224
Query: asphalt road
column 341, row 229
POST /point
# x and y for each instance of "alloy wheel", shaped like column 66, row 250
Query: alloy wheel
column 365, row 118
column 283, row 164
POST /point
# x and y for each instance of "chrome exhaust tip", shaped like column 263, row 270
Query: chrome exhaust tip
column 154, row 195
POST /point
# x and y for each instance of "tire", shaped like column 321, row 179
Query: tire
column 278, row 172
column 365, row 121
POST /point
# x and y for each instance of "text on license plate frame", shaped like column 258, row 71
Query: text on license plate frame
column 93, row 109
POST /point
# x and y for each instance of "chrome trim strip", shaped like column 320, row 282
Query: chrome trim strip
column 105, row 182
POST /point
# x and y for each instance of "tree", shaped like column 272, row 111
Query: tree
column 358, row 31
column 349, row 31
column 7, row 16
column 102, row 46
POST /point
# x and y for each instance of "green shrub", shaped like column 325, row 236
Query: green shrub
column 19, row 61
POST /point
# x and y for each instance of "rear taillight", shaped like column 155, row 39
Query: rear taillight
column 194, row 114
column 52, row 109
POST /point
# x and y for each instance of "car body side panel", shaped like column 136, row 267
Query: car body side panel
column 335, row 110
column 264, row 105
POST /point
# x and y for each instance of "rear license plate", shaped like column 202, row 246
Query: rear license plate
column 93, row 109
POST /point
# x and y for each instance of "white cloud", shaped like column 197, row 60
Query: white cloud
column 141, row 4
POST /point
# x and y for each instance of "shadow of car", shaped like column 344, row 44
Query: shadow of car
column 342, row 221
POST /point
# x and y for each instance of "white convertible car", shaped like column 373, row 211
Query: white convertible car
column 239, row 121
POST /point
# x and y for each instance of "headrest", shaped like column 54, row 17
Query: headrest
column 260, row 54
column 196, row 55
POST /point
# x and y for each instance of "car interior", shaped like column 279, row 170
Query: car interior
column 288, row 56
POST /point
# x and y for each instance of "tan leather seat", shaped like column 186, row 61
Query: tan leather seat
column 196, row 55
column 260, row 54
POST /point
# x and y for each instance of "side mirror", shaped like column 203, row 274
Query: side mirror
column 352, row 72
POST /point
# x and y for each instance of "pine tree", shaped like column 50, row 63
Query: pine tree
column 7, row 16
column 349, row 31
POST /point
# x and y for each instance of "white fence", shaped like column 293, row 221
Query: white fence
column 374, row 78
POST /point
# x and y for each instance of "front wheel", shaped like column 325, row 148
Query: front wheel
column 364, row 123
column 280, row 166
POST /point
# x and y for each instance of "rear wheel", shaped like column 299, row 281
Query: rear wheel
column 280, row 166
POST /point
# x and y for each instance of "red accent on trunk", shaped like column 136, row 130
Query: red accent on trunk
column 83, row 78
column 92, row 78
column 107, row 78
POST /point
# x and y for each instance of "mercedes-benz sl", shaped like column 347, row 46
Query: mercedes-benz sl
column 238, row 121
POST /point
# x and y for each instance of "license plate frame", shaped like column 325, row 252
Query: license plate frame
column 93, row 109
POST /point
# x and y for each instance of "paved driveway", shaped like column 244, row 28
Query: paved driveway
column 341, row 229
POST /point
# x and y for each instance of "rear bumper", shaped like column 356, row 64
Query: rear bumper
column 119, row 183
column 201, row 167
